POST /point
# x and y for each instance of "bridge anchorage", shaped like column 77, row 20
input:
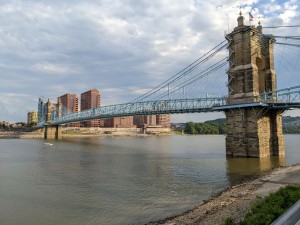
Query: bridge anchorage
column 253, row 107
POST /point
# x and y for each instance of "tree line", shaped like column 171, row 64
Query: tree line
column 204, row 128
column 291, row 125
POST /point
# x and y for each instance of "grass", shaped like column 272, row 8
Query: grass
column 268, row 209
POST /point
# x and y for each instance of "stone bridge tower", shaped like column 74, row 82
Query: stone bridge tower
column 50, row 131
column 252, row 131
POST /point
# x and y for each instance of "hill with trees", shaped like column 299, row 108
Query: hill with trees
column 291, row 125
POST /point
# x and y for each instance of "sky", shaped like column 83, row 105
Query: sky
column 123, row 48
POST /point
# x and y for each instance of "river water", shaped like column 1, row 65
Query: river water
column 118, row 180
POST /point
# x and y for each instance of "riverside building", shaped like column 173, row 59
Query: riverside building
column 90, row 100
column 69, row 104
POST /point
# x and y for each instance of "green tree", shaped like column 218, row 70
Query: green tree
column 190, row 128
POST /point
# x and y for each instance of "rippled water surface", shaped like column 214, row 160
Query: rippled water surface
column 118, row 180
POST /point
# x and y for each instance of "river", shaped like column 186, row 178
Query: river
column 118, row 180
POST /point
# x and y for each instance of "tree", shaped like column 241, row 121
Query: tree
column 190, row 128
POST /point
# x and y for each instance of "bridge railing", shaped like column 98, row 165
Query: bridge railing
column 143, row 108
column 288, row 98
column 282, row 96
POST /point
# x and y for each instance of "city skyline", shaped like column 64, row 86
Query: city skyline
column 52, row 47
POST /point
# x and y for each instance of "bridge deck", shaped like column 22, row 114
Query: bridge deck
column 287, row 98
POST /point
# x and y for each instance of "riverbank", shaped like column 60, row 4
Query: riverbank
column 93, row 132
column 235, row 201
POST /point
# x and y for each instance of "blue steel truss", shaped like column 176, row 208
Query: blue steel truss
column 284, row 99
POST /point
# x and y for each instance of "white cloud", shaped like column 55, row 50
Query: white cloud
column 122, row 48
column 51, row 68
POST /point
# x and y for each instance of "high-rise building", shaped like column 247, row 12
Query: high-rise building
column 90, row 100
column 69, row 104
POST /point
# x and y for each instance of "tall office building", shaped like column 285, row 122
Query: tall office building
column 90, row 100
column 69, row 104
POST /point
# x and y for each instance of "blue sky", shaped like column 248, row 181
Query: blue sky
column 123, row 48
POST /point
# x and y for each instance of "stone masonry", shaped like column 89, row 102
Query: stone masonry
column 50, row 131
column 251, row 131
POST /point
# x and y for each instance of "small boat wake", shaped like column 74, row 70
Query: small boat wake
column 48, row 144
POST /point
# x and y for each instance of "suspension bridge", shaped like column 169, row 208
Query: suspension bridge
column 250, row 84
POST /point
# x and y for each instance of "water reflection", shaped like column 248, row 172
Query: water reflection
column 242, row 168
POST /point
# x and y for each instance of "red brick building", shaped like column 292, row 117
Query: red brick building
column 144, row 121
column 90, row 100
column 163, row 120
column 120, row 122
column 69, row 104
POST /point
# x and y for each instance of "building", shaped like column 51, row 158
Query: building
column 90, row 100
column 32, row 118
column 69, row 104
column 163, row 120
column 144, row 121
column 42, row 110
column 119, row 122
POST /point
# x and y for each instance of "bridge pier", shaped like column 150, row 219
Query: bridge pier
column 253, row 132
column 52, row 132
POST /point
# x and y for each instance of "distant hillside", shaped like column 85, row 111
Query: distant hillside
column 291, row 125
column 216, row 121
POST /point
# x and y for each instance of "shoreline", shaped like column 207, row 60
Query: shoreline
column 40, row 135
column 235, row 201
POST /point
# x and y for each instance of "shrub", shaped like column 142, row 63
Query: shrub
column 268, row 209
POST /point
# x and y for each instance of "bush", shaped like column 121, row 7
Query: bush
column 228, row 221
column 268, row 209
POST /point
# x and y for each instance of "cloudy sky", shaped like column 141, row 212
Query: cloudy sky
column 122, row 47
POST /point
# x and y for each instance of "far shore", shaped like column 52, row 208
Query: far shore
column 90, row 132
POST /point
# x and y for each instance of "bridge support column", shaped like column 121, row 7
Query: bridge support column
column 52, row 132
column 254, row 132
